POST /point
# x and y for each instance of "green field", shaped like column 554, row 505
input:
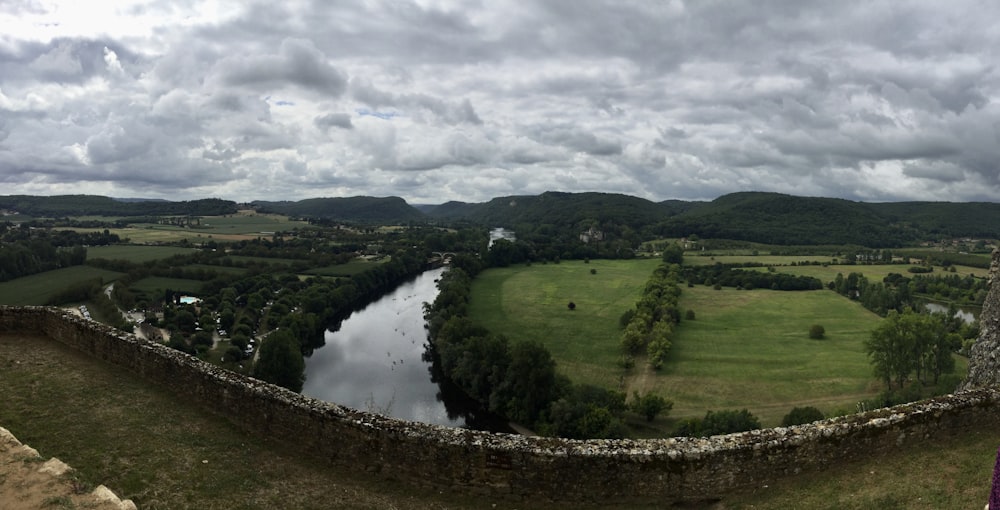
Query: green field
column 156, row 285
column 349, row 269
column 752, row 349
column 530, row 303
column 212, row 228
column 745, row 349
column 135, row 253
column 38, row 288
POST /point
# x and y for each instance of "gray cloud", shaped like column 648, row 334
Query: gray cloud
column 469, row 100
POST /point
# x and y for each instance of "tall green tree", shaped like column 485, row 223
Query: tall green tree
column 280, row 361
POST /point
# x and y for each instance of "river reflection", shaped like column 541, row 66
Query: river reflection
column 373, row 362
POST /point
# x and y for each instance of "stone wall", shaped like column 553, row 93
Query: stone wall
column 677, row 469
column 984, row 358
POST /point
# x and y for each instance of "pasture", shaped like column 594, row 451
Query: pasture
column 531, row 303
column 233, row 227
column 154, row 286
column 135, row 253
column 37, row 289
column 745, row 349
column 752, row 349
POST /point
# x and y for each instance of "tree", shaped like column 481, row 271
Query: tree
column 673, row 254
column 649, row 405
column 910, row 342
column 280, row 361
column 571, row 306
column 816, row 332
column 889, row 348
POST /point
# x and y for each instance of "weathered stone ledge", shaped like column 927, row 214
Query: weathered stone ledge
column 672, row 469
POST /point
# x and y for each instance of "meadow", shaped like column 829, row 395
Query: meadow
column 135, row 253
column 155, row 286
column 36, row 289
column 744, row 349
column 234, row 227
column 531, row 303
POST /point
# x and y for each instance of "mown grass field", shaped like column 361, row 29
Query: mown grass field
column 36, row 289
column 751, row 349
column 530, row 303
column 155, row 285
column 745, row 349
column 157, row 448
column 135, row 253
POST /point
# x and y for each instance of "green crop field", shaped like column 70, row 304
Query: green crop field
column 38, row 288
column 156, row 285
column 135, row 253
column 745, row 349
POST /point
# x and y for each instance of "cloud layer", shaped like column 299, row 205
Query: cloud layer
column 434, row 100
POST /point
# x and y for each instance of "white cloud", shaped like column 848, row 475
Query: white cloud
column 443, row 100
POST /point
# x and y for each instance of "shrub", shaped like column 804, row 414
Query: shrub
column 689, row 315
column 800, row 415
column 816, row 332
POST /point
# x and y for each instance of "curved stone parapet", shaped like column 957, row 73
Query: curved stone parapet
column 674, row 469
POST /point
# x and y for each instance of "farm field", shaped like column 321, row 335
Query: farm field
column 234, row 227
column 745, row 349
column 751, row 349
column 36, row 289
column 135, row 253
column 827, row 273
column 530, row 303
column 156, row 285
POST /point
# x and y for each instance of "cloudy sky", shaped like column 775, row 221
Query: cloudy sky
column 443, row 100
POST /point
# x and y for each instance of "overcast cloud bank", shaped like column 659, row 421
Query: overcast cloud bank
column 435, row 101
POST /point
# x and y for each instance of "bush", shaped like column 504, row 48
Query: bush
column 689, row 315
column 800, row 415
column 816, row 332
column 728, row 421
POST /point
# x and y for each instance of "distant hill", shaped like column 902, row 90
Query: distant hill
column 560, row 210
column 776, row 218
column 96, row 205
column 352, row 209
column 771, row 218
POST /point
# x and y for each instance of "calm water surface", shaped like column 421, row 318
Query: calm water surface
column 373, row 362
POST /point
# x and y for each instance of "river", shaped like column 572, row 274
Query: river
column 966, row 316
column 374, row 362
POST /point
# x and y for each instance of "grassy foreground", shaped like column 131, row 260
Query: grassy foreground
column 162, row 452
